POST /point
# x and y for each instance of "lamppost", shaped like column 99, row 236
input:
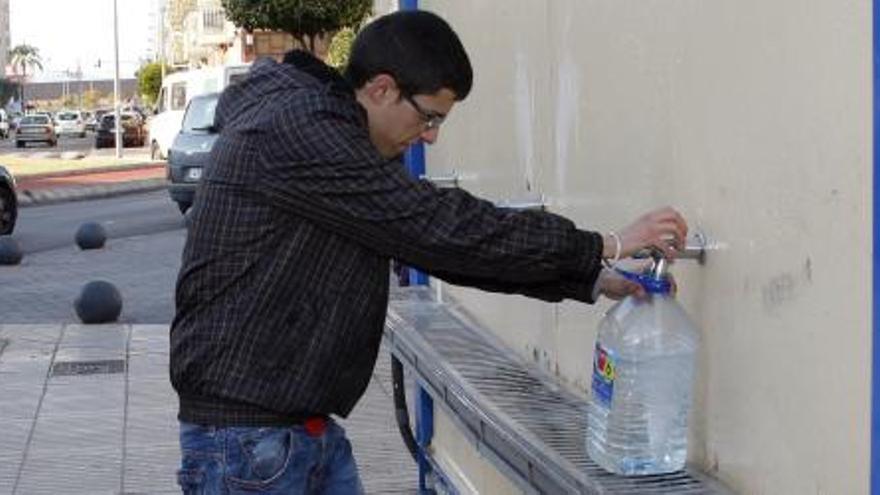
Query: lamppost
column 116, row 82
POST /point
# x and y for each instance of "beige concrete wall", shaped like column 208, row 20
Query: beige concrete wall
column 753, row 118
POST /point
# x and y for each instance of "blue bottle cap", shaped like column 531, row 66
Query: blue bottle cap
column 651, row 285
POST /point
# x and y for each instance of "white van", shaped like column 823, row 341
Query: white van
column 177, row 89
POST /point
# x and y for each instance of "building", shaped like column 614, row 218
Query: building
column 39, row 93
column 5, row 41
column 196, row 33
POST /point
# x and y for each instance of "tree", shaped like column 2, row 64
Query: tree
column 340, row 48
column 149, row 78
column 22, row 57
column 305, row 20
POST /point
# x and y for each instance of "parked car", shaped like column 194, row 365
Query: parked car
column 15, row 118
column 133, row 132
column 95, row 121
column 4, row 124
column 8, row 202
column 190, row 153
column 176, row 91
column 70, row 122
column 35, row 129
column 88, row 121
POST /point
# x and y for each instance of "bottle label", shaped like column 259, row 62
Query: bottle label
column 604, row 372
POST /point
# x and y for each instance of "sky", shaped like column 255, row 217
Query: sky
column 69, row 33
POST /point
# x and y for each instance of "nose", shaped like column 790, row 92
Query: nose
column 430, row 136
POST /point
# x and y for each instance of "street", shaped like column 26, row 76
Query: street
column 85, row 145
column 141, row 257
column 42, row 228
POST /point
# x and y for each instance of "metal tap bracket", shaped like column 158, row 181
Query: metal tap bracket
column 450, row 181
column 694, row 249
column 535, row 204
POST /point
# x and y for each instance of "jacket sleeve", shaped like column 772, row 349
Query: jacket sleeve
column 554, row 291
column 320, row 164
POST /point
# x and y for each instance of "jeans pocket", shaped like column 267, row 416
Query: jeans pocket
column 258, row 457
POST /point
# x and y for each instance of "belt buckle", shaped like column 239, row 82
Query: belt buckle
column 315, row 426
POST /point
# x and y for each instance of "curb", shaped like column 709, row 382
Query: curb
column 78, row 193
column 87, row 171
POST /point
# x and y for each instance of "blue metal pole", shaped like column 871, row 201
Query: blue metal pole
column 424, row 434
column 875, row 359
column 414, row 159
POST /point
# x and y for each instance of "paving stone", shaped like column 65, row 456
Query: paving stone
column 71, row 474
column 104, row 433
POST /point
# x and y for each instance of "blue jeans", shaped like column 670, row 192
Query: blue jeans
column 268, row 460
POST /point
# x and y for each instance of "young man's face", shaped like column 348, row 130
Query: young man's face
column 397, row 120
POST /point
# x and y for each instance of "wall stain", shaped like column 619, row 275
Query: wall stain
column 778, row 291
column 784, row 288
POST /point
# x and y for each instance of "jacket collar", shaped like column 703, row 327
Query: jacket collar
column 324, row 74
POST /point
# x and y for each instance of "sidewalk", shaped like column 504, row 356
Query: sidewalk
column 53, row 179
column 89, row 410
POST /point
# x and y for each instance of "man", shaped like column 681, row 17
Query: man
column 282, row 295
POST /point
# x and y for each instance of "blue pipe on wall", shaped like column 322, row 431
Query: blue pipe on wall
column 414, row 159
column 875, row 358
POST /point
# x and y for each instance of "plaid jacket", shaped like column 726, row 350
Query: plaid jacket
column 282, row 294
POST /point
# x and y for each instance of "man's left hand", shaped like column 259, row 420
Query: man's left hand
column 615, row 286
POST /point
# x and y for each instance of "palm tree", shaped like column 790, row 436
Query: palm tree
column 24, row 56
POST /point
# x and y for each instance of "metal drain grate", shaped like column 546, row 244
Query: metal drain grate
column 536, row 428
column 76, row 368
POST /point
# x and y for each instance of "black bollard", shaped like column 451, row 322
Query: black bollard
column 98, row 302
column 91, row 235
column 10, row 251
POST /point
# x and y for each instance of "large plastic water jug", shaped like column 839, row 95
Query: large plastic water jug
column 643, row 377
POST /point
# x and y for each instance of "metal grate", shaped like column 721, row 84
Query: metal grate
column 75, row 368
column 530, row 424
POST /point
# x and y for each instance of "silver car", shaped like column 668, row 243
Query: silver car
column 35, row 129
column 70, row 122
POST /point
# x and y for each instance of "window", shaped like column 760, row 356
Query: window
column 35, row 120
column 213, row 19
column 162, row 105
column 200, row 114
column 178, row 96
column 234, row 78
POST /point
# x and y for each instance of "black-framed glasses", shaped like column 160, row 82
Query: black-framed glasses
column 431, row 118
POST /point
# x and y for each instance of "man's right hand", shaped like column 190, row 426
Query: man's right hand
column 664, row 229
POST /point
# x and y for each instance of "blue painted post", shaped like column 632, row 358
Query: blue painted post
column 875, row 358
column 409, row 4
column 424, row 434
column 414, row 158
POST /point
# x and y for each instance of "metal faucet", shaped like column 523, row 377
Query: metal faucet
column 694, row 249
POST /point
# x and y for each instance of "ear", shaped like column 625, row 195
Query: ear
column 382, row 89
